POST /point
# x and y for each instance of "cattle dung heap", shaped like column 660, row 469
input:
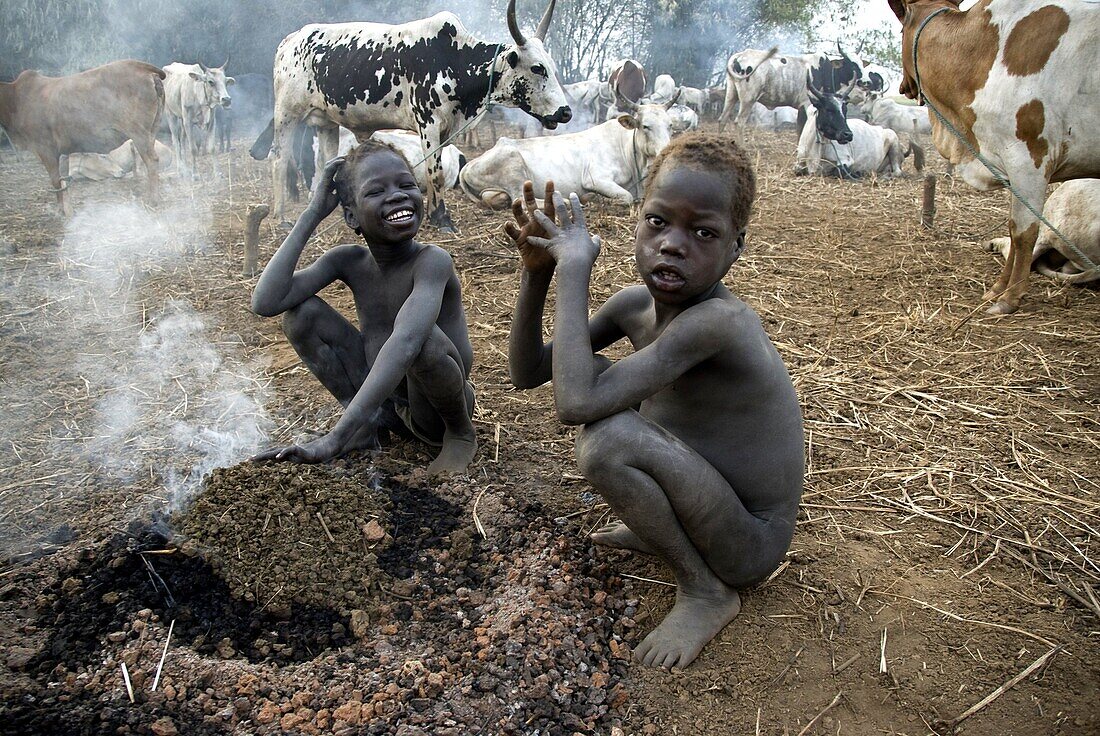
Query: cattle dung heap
column 412, row 620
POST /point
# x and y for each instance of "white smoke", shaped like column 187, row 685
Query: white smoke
column 175, row 400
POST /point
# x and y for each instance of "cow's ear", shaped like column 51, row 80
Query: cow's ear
column 628, row 122
column 195, row 76
column 513, row 59
column 229, row 81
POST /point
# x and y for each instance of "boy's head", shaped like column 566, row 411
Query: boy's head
column 379, row 193
column 718, row 154
column 698, row 198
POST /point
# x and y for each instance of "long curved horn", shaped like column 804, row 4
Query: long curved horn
column 672, row 101
column 544, row 24
column 848, row 88
column 226, row 62
column 814, row 91
column 513, row 26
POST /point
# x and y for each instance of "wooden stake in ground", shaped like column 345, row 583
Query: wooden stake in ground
column 928, row 208
column 256, row 214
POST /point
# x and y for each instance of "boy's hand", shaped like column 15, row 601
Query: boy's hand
column 535, row 259
column 315, row 451
column 571, row 241
column 324, row 199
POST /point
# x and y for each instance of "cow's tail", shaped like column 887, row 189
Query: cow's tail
column 918, row 154
column 263, row 144
column 749, row 71
column 158, row 90
column 1072, row 279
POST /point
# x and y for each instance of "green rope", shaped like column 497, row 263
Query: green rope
column 485, row 103
column 997, row 174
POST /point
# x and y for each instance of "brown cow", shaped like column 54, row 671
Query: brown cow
column 1017, row 79
column 95, row 111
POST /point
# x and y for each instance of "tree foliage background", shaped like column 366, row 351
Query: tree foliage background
column 689, row 39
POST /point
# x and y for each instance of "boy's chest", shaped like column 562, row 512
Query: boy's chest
column 379, row 295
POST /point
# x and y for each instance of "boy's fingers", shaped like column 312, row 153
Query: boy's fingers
column 546, row 223
column 548, row 200
column 529, row 194
column 511, row 231
column 563, row 212
column 578, row 213
column 518, row 211
column 538, row 242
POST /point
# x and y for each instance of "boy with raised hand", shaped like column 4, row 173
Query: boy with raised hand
column 695, row 440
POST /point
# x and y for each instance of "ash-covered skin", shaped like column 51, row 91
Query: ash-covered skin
column 406, row 365
column 694, row 440
column 429, row 76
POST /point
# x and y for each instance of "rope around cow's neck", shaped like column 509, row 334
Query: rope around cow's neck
column 636, row 185
column 485, row 104
column 997, row 174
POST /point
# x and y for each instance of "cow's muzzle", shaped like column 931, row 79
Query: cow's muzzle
column 844, row 137
column 562, row 116
column 227, row 101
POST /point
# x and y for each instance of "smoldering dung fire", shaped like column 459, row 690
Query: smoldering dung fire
column 174, row 397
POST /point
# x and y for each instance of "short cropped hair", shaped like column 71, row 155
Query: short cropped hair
column 354, row 156
column 718, row 154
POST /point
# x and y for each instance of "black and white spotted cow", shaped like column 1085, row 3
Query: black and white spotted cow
column 429, row 76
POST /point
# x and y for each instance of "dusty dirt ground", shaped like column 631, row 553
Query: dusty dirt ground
column 946, row 545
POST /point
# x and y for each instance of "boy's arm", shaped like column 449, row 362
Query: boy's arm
column 280, row 287
column 530, row 360
column 582, row 392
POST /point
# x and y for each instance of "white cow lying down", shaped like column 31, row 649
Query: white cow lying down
column 1073, row 208
column 408, row 144
column 873, row 150
column 609, row 159
column 116, row 164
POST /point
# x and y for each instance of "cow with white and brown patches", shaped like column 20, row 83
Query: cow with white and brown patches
column 429, row 76
column 1017, row 79
column 95, row 111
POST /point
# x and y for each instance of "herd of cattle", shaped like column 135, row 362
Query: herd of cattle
column 1011, row 104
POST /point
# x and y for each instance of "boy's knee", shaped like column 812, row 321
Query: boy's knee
column 436, row 356
column 602, row 444
column 301, row 321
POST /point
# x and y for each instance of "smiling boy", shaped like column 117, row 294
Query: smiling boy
column 694, row 440
column 406, row 366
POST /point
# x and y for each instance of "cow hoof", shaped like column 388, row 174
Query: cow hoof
column 451, row 229
column 1001, row 308
column 284, row 226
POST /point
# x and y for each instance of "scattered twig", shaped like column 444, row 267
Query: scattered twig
column 160, row 665
column 1007, row 686
column 825, row 710
column 126, row 679
column 648, row 580
column 325, row 527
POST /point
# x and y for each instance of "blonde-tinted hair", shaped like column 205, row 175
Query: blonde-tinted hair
column 715, row 153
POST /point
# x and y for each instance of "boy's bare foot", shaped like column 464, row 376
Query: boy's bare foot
column 691, row 623
column 455, row 456
column 620, row 536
